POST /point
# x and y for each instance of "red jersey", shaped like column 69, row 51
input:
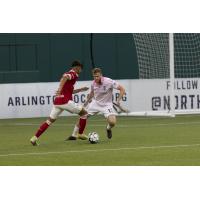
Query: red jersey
column 67, row 90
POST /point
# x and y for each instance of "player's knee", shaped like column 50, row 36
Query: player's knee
column 83, row 112
column 112, row 122
column 50, row 121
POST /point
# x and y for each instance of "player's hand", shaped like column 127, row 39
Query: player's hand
column 84, row 89
column 117, row 102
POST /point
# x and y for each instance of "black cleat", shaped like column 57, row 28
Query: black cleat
column 109, row 133
column 71, row 138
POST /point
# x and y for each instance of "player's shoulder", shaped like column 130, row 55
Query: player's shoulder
column 93, row 83
column 107, row 79
column 71, row 73
column 111, row 82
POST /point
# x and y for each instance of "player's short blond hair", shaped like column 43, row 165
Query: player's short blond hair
column 96, row 70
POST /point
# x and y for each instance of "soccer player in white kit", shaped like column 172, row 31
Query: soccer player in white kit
column 101, row 96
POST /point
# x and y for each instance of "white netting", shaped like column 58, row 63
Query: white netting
column 153, row 55
column 169, row 73
column 187, row 55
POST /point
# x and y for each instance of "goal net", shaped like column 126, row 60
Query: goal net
column 169, row 72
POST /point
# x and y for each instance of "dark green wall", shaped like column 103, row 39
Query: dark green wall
column 44, row 57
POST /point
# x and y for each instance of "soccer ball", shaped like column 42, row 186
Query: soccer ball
column 93, row 137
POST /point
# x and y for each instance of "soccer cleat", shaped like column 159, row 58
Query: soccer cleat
column 34, row 141
column 71, row 138
column 82, row 136
column 109, row 133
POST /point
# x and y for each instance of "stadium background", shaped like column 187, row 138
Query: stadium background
column 137, row 141
column 26, row 57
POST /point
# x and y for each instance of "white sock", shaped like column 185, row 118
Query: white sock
column 75, row 131
column 108, row 127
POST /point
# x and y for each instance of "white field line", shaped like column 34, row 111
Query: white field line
column 103, row 125
column 122, row 118
column 100, row 150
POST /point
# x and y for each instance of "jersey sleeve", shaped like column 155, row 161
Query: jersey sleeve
column 70, row 75
column 92, row 87
column 115, row 84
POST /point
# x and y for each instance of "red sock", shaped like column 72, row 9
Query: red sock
column 41, row 130
column 82, row 124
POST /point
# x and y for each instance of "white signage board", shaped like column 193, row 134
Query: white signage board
column 35, row 99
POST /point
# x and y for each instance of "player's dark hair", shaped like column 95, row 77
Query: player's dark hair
column 77, row 63
column 96, row 70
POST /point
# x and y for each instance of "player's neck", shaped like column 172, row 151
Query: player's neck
column 100, row 82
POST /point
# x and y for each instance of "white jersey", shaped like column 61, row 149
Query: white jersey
column 103, row 92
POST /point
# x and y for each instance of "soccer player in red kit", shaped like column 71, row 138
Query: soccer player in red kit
column 63, row 100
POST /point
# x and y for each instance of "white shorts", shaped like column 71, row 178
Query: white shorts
column 70, row 106
column 94, row 108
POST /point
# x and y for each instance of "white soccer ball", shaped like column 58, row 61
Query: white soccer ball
column 93, row 137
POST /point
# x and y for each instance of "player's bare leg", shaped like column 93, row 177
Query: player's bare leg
column 79, row 127
column 74, row 135
column 41, row 130
column 111, row 123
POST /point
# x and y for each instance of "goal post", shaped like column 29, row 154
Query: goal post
column 171, row 66
column 169, row 74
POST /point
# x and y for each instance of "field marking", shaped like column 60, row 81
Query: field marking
column 102, row 125
column 122, row 118
column 99, row 150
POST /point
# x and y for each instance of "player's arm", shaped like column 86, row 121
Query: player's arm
column 64, row 78
column 116, row 105
column 89, row 97
column 121, row 93
column 80, row 90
